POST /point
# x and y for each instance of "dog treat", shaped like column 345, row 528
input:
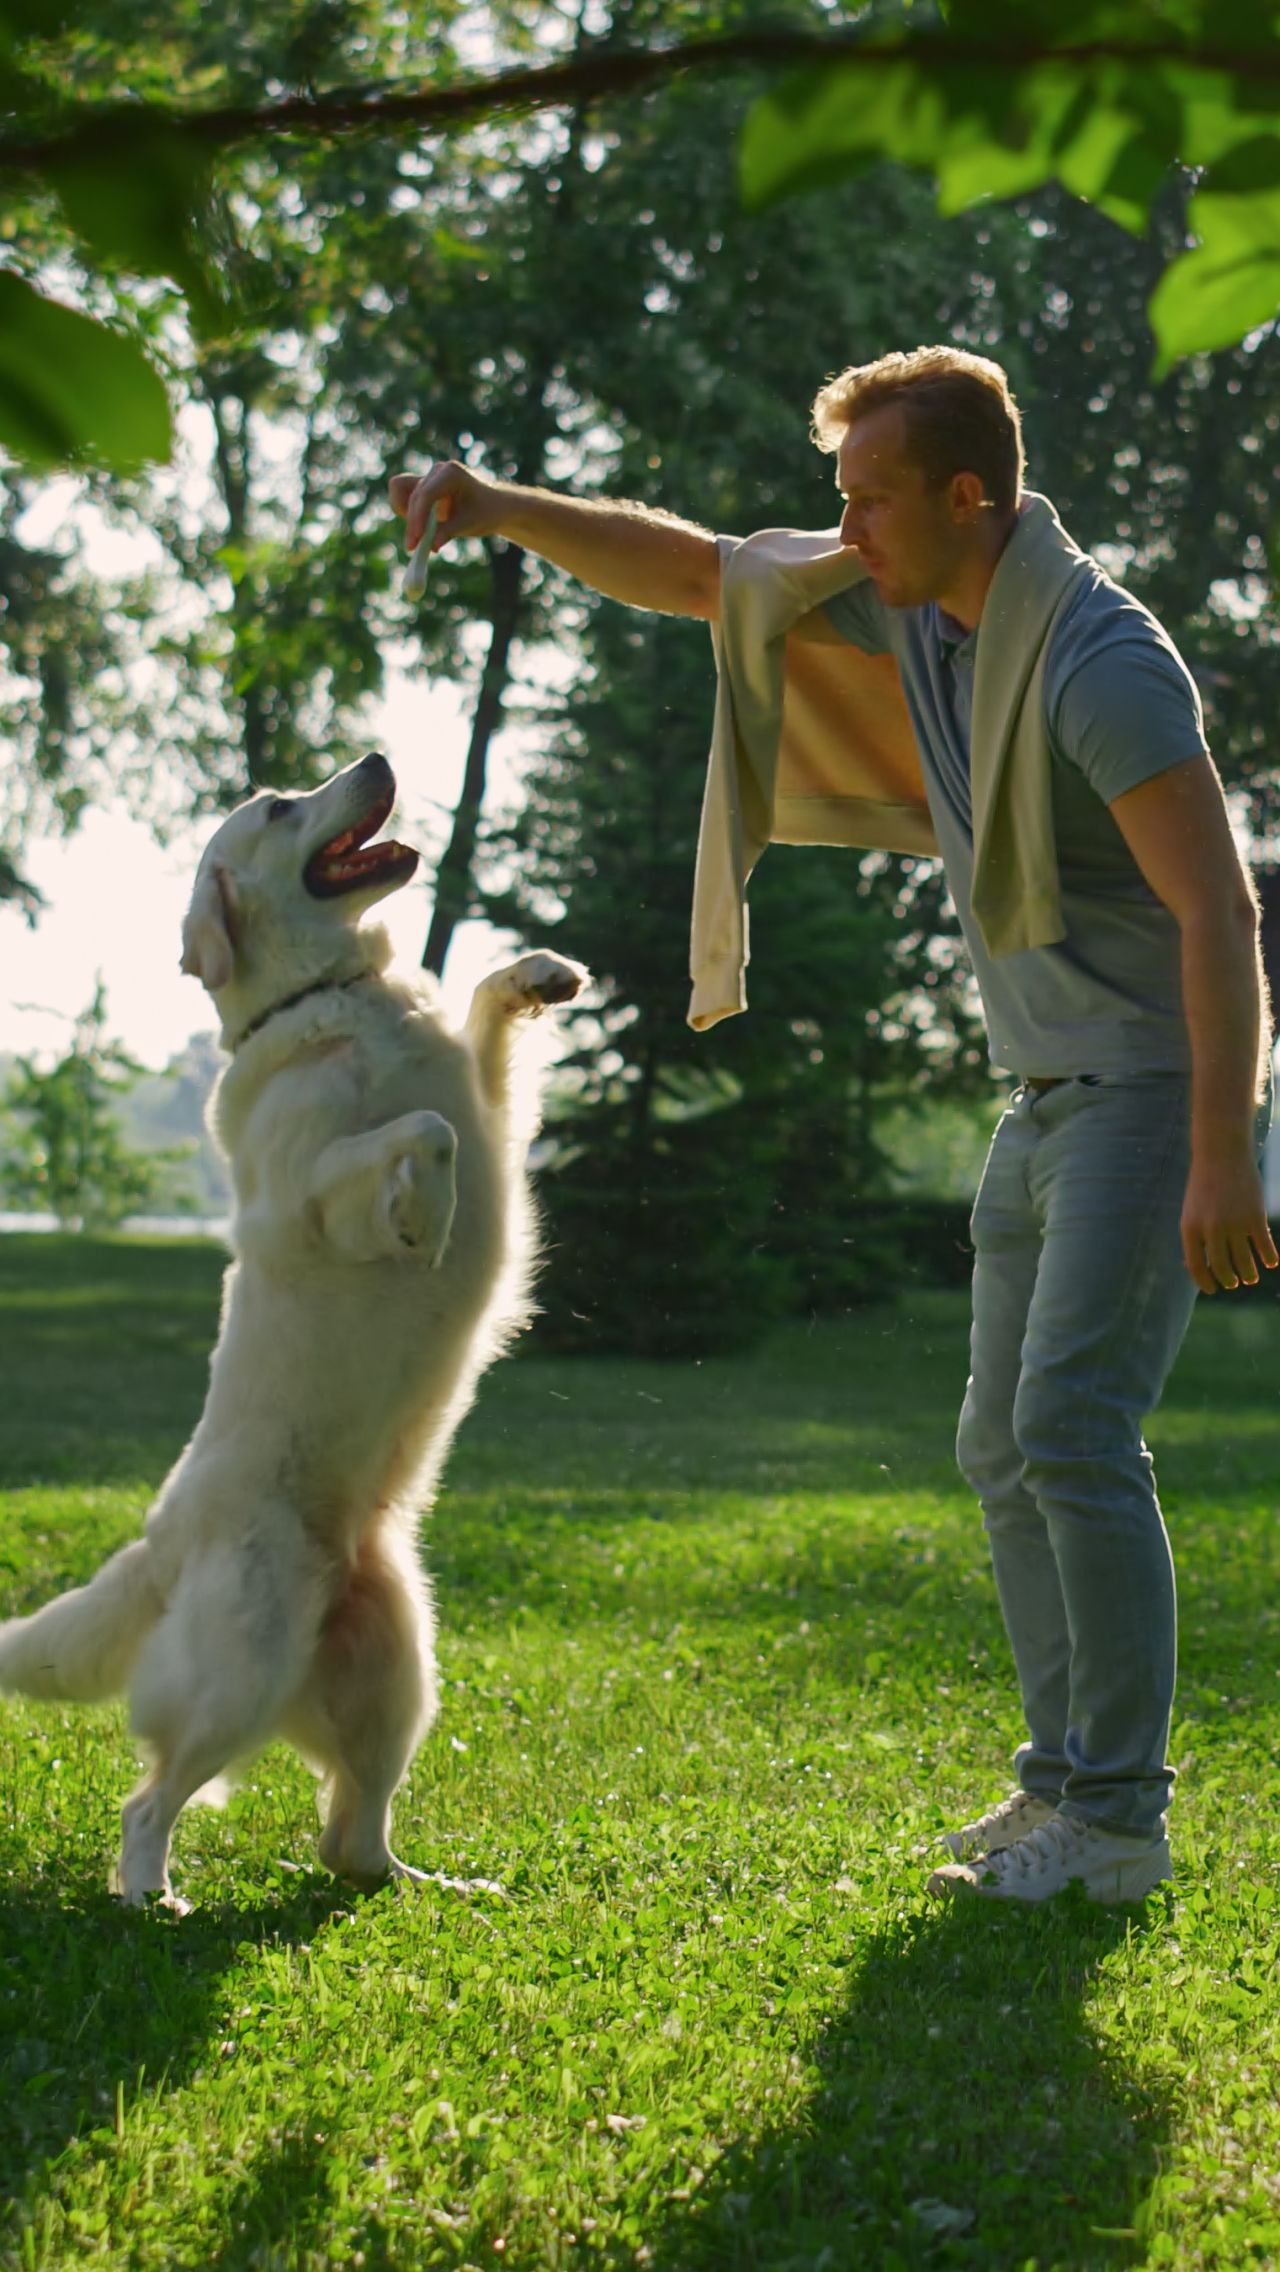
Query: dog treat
column 419, row 568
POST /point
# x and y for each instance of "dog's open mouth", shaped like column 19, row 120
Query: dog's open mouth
column 349, row 862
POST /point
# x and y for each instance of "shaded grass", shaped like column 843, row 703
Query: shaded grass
column 721, row 1654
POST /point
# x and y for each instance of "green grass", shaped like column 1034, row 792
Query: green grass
column 721, row 1655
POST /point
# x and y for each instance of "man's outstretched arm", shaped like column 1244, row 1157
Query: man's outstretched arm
column 644, row 558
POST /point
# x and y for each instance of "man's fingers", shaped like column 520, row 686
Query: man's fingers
column 1218, row 1253
column 444, row 486
column 1194, row 1257
column 1229, row 1259
column 1242, row 1259
column 421, row 500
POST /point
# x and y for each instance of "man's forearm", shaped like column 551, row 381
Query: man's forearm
column 1229, row 1024
column 644, row 558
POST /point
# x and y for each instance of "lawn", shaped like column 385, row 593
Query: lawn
column 722, row 1655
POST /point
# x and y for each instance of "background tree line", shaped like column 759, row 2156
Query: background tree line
column 582, row 298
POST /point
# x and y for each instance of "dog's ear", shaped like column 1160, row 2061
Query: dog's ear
column 208, row 948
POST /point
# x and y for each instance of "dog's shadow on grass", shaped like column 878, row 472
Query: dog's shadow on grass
column 966, row 2113
column 99, row 2003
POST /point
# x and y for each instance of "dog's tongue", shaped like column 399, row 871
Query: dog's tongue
column 346, row 863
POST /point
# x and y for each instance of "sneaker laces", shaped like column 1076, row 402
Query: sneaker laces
column 1053, row 1843
column 996, row 1817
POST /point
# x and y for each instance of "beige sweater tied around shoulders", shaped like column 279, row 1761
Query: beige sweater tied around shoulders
column 812, row 743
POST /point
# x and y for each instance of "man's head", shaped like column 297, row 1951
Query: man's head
column 928, row 450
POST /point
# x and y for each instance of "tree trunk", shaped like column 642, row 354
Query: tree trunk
column 453, row 876
column 234, row 472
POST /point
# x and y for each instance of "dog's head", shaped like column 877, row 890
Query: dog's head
column 281, row 889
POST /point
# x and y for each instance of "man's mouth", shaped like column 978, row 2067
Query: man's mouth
column 349, row 862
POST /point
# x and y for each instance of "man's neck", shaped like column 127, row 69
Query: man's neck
column 965, row 596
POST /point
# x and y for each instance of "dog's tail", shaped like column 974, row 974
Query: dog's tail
column 82, row 1646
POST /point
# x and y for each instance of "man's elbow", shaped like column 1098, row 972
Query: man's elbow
column 1231, row 909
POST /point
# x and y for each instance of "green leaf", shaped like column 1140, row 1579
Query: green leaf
column 1106, row 131
column 1229, row 283
column 70, row 388
column 1214, row 296
column 141, row 212
column 452, row 247
column 1250, row 167
column 822, row 123
column 21, row 19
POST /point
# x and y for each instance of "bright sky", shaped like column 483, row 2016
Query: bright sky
column 116, row 900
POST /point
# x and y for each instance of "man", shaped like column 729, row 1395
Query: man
column 1124, row 1174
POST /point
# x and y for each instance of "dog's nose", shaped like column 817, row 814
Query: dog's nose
column 375, row 762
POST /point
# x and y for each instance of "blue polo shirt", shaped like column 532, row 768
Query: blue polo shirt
column 1120, row 706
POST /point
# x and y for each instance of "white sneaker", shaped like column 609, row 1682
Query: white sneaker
column 1057, row 1854
column 1010, row 1820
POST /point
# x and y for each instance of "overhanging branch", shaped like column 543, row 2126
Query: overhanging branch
column 610, row 71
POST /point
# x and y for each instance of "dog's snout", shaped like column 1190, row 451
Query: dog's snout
column 376, row 765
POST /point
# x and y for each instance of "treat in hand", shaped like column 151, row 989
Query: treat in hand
column 415, row 575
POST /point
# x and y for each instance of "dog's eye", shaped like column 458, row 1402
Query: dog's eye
column 279, row 806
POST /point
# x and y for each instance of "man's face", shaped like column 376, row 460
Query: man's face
column 909, row 535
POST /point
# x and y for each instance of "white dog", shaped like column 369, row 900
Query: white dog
column 380, row 1230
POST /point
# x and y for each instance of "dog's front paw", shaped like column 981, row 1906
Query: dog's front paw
column 421, row 1188
column 539, row 981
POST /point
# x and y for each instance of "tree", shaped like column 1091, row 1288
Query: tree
column 731, row 1168
column 989, row 96
column 65, row 1152
column 724, row 1167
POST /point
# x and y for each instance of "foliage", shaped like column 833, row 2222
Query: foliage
column 64, row 1151
column 721, row 1656
column 1003, row 95
column 990, row 97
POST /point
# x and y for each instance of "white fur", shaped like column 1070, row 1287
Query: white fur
column 382, row 1258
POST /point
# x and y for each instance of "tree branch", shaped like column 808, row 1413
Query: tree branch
column 609, row 71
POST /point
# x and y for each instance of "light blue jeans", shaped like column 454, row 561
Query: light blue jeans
column 1081, row 1299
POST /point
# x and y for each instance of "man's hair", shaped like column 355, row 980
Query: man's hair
column 959, row 415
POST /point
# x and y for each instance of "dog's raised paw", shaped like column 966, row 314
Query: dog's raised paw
column 540, row 981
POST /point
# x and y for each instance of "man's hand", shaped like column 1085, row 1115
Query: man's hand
column 467, row 504
column 1224, row 1224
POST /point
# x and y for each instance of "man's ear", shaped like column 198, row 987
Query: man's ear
column 208, row 943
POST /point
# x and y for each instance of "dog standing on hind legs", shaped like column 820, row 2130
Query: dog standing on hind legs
column 382, row 1256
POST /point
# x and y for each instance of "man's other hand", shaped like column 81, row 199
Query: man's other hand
column 1224, row 1226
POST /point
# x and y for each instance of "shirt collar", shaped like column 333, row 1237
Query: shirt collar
column 951, row 634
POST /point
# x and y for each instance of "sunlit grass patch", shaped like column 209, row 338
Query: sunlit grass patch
column 721, row 1655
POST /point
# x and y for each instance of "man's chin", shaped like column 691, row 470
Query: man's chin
column 898, row 595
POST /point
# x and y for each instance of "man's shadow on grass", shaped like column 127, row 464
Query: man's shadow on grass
column 967, row 2113
column 97, row 1999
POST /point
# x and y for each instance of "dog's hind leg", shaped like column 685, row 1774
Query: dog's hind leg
column 523, row 989
column 213, row 1680
column 369, row 1699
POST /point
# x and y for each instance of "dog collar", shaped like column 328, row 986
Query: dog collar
column 322, row 986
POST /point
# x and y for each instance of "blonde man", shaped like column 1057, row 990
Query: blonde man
column 1124, row 1174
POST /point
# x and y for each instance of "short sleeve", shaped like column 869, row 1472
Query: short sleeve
column 858, row 615
column 1123, row 706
